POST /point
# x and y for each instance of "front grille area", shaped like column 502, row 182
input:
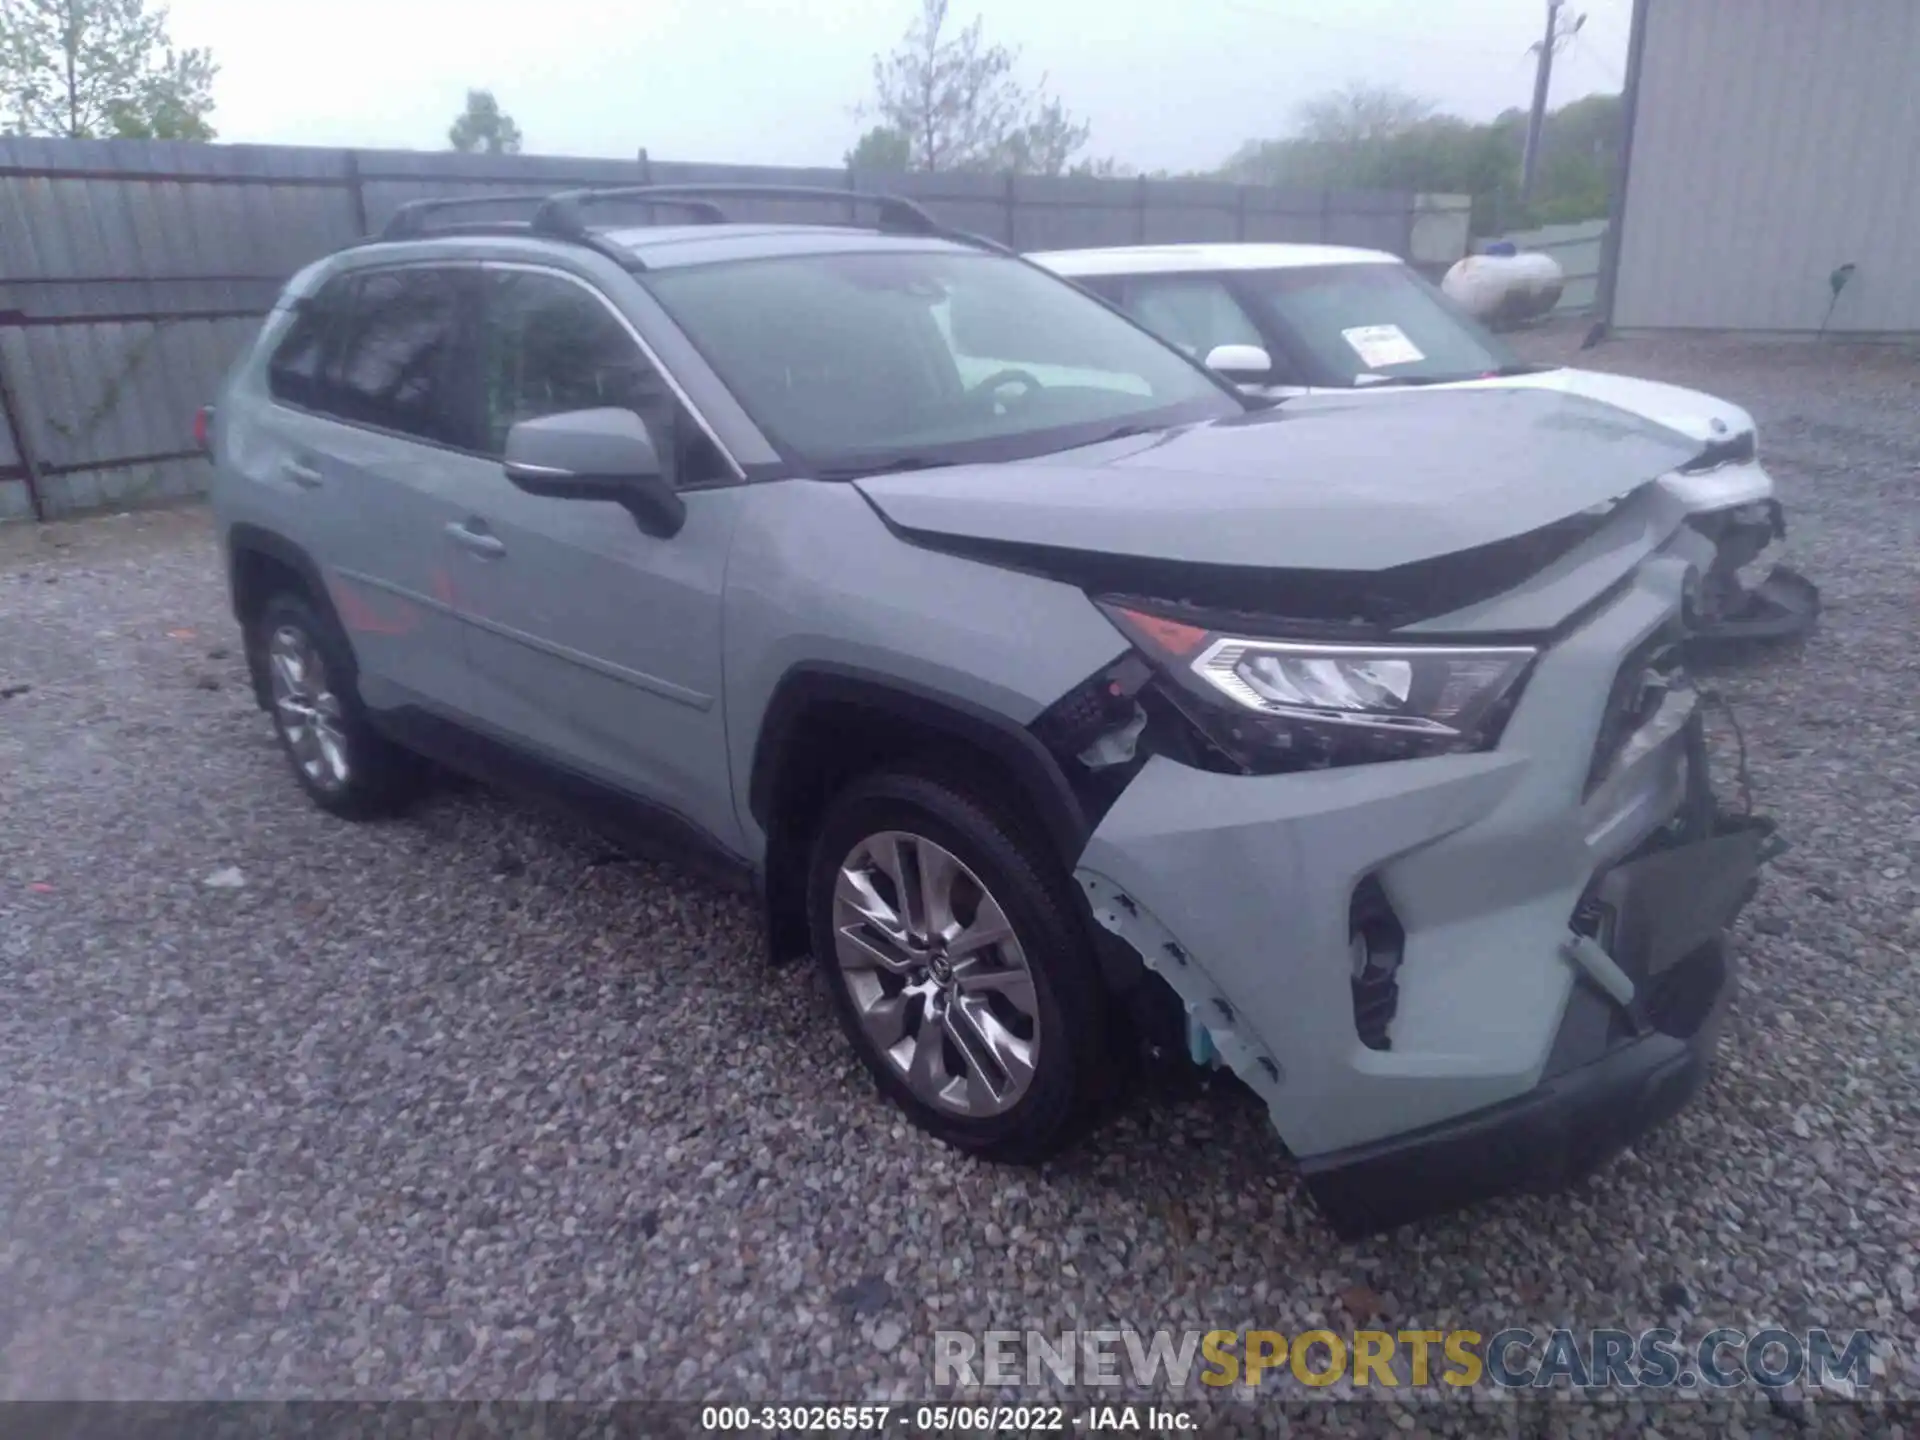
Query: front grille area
column 1638, row 687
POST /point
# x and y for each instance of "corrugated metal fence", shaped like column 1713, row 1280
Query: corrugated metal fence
column 131, row 272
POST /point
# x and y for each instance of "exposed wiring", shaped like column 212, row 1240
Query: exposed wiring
column 1742, row 776
column 1586, row 49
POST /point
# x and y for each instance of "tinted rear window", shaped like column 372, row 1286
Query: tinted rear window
column 393, row 365
column 296, row 370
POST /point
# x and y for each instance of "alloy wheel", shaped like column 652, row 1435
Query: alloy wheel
column 307, row 709
column 938, row 979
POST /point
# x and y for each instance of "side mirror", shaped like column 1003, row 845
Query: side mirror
column 604, row 454
column 1241, row 363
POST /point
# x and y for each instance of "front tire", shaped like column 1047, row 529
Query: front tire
column 346, row 767
column 958, row 964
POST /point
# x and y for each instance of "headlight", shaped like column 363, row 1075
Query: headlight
column 1433, row 691
column 1286, row 704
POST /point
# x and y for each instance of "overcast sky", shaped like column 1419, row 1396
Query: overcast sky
column 1173, row 83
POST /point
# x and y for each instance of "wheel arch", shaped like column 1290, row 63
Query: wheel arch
column 827, row 723
column 260, row 564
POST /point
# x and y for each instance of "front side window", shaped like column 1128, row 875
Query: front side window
column 1367, row 324
column 864, row 360
column 1195, row 312
column 395, row 364
column 550, row 345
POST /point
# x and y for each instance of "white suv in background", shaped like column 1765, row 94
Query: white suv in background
column 1283, row 320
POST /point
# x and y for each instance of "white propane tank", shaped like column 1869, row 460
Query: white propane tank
column 1504, row 290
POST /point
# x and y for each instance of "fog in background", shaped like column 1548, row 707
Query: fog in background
column 1164, row 86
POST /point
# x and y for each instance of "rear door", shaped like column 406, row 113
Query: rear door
column 377, row 404
column 593, row 643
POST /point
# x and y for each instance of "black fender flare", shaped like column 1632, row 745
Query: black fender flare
column 245, row 539
column 807, row 684
column 1032, row 768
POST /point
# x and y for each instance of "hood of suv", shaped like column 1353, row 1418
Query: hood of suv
column 1325, row 483
column 1704, row 418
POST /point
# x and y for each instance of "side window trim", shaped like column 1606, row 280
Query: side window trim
column 647, row 351
column 1284, row 347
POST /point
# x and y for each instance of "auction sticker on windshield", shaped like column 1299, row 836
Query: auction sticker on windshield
column 1379, row 345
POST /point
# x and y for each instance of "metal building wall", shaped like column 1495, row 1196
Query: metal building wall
column 1773, row 141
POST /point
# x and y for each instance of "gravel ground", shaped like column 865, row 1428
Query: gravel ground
column 460, row 1105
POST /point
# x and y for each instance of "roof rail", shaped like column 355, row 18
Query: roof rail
column 409, row 222
column 560, row 215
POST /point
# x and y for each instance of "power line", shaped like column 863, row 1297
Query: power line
column 1591, row 53
column 1398, row 39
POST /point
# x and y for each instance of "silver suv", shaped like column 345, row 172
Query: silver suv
column 1067, row 705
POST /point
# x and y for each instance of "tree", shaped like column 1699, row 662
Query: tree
column 1046, row 144
column 101, row 69
column 881, row 148
column 1363, row 138
column 959, row 105
column 1358, row 114
column 484, row 127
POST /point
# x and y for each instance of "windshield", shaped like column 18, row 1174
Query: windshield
column 870, row 360
column 1361, row 324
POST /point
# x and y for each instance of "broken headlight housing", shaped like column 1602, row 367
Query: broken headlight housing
column 1293, row 704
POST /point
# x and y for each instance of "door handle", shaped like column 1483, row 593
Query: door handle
column 301, row 473
column 478, row 542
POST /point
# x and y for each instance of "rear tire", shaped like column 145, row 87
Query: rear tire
column 346, row 767
column 958, row 964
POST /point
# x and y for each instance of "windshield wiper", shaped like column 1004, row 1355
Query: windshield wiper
column 1499, row 372
column 1395, row 382
column 1126, row 432
column 896, row 466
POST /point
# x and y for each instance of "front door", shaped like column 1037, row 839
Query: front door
column 590, row 641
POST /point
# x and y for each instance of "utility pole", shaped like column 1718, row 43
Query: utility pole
column 1542, row 81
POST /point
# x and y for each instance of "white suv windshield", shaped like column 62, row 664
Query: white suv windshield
column 1356, row 324
column 869, row 359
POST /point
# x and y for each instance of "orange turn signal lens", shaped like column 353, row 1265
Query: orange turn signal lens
column 1173, row 637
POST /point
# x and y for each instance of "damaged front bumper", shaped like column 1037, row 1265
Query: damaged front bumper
column 1622, row 1063
column 1731, row 608
column 1558, row 976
